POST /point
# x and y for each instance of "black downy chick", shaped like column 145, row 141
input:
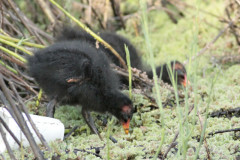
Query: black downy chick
column 75, row 72
column 179, row 73
column 115, row 40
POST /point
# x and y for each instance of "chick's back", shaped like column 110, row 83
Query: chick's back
column 73, row 71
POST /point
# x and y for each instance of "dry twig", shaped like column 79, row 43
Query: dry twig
column 232, row 27
column 42, row 139
column 9, row 131
column 208, row 45
column 25, row 84
column 21, row 122
column 47, row 11
column 224, row 131
column 116, row 12
column 10, row 152
column 24, row 20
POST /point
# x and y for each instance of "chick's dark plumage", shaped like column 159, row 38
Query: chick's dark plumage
column 115, row 40
column 178, row 70
column 75, row 72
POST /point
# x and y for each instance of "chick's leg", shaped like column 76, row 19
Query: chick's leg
column 88, row 118
column 51, row 108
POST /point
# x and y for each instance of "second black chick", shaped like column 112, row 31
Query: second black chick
column 178, row 71
column 75, row 72
column 115, row 40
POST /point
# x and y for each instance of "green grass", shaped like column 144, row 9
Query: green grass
column 144, row 20
column 129, row 70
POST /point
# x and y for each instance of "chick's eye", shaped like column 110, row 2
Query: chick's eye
column 181, row 76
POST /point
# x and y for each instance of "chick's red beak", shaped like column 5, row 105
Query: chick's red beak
column 185, row 82
column 126, row 126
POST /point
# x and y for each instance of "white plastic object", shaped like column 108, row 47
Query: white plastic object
column 50, row 128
